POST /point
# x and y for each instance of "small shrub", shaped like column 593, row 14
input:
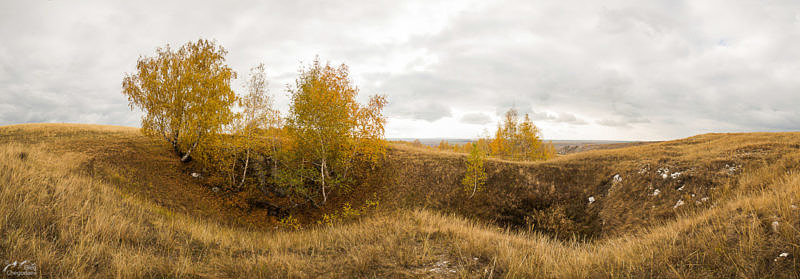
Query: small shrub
column 290, row 222
column 348, row 212
column 552, row 220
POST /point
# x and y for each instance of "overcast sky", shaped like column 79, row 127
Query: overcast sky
column 629, row 70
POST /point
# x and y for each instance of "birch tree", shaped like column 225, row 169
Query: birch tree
column 329, row 130
column 517, row 140
column 259, row 119
column 184, row 93
column 475, row 177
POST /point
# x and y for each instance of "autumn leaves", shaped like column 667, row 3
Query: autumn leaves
column 314, row 151
column 329, row 131
column 318, row 149
column 185, row 94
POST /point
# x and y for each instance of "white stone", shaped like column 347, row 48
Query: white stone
column 782, row 255
column 664, row 172
column 656, row 192
column 730, row 169
column 195, row 175
column 441, row 267
column 617, row 178
column 679, row 203
column 591, row 199
column 675, row 175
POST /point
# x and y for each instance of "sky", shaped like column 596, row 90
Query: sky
column 603, row 70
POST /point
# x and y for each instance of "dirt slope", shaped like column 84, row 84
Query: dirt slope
column 139, row 166
column 632, row 188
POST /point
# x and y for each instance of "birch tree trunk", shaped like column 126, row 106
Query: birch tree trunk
column 186, row 157
column 322, row 174
column 475, row 185
column 246, row 163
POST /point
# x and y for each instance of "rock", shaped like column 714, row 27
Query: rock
column 196, row 175
column 664, row 172
column 675, row 175
column 680, row 189
column 731, row 170
column 442, row 267
column 656, row 192
column 591, row 199
column 679, row 203
column 617, row 178
column 776, row 226
column 782, row 256
column 215, row 189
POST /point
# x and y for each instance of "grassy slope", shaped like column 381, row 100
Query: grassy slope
column 75, row 206
column 706, row 168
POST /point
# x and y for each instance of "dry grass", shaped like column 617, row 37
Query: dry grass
column 73, row 225
column 702, row 170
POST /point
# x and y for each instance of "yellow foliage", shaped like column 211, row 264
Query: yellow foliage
column 290, row 222
column 517, row 140
column 348, row 212
column 185, row 94
column 256, row 128
column 329, row 130
column 476, row 174
column 444, row 145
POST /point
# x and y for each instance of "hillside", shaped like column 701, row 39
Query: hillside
column 568, row 147
column 87, row 200
column 632, row 188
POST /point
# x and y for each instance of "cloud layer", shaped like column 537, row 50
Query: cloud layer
column 602, row 70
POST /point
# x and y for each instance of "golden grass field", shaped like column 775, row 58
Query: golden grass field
column 88, row 201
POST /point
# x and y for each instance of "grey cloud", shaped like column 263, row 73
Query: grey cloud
column 658, row 65
column 420, row 110
column 622, row 122
column 476, row 118
column 522, row 108
column 60, row 52
column 562, row 117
